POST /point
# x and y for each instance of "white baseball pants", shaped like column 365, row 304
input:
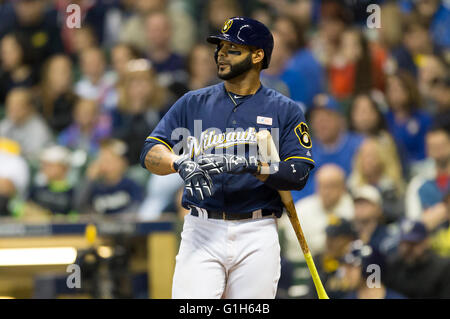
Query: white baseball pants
column 227, row 259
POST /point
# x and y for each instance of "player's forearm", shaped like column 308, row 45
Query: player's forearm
column 290, row 175
column 159, row 160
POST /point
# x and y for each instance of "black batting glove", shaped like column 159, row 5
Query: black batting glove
column 232, row 164
column 196, row 180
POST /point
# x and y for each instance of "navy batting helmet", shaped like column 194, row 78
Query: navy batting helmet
column 246, row 31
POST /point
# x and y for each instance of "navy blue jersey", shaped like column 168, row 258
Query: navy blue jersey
column 120, row 198
column 221, row 122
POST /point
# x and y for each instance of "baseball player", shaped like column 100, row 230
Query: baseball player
column 229, row 246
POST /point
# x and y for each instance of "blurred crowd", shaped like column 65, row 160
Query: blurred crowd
column 76, row 104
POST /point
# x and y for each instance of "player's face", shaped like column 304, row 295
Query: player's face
column 233, row 60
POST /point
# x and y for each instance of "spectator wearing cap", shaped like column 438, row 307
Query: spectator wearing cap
column 333, row 143
column 107, row 190
column 340, row 234
column 24, row 125
column 368, row 220
column 51, row 190
column 416, row 271
column 358, row 264
column 14, row 175
column 330, row 201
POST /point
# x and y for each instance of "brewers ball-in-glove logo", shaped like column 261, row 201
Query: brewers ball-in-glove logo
column 302, row 133
column 227, row 25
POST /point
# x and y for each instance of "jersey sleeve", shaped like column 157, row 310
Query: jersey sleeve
column 295, row 139
column 162, row 134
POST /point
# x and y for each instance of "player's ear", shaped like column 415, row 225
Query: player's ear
column 257, row 56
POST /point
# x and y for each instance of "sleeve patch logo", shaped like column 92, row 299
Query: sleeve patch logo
column 303, row 136
column 227, row 25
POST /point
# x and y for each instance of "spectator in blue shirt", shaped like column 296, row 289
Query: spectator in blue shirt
column 406, row 122
column 333, row 143
column 107, row 189
column 301, row 72
column 363, row 270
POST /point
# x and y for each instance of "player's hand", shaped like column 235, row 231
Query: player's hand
column 232, row 164
column 197, row 181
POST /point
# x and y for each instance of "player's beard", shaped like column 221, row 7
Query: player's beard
column 237, row 69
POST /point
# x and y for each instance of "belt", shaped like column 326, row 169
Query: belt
column 208, row 214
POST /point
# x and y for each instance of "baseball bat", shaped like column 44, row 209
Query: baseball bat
column 269, row 154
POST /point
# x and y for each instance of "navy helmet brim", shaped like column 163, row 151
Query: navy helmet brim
column 215, row 39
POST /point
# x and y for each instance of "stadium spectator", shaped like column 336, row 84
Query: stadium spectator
column 216, row 12
column 432, row 192
column 416, row 271
column 427, row 189
column 302, row 73
column 141, row 106
column 351, row 71
column 333, row 143
column 271, row 77
column 339, row 235
column 51, row 190
column 367, row 119
column 14, row 175
column 299, row 10
column 83, row 38
column 115, row 18
column 97, row 82
column 360, row 263
column 440, row 92
column 121, row 54
column 416, row 41
column 24, row 125
column 107, row 190
column 374, row 166
column 37, row 21
column 88, row 128
column 406, row 122
column 16, row 64
column 333, row 20
column 440, row 238
column 368, row 220
column 93, row 15
column 169, row 65
column 183, row 25
column 330, row 201
column 201, row 67
column 56, row 95
column 436, row 15
column 161, row 196
column 431, row 68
